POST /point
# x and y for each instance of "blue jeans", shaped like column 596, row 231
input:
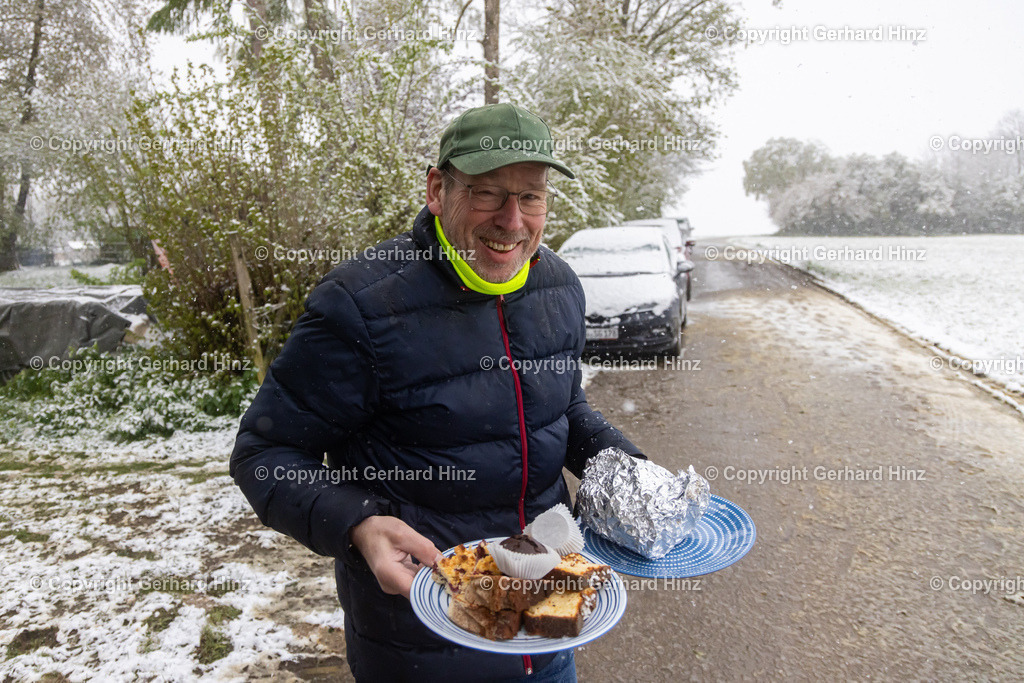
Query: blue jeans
column 562, row 669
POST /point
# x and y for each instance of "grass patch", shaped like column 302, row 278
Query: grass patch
column 160, row 619
column 32, row 639
column 24, row 536
column 54, row 677
column 200, row 477
column 222, row 588
column 37, row 466
column 120, row 550
column 213, row 645
column 136, row 554
column 129, row 467
column 220, row 614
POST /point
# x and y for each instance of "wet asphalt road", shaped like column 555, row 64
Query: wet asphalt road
column 886, row 496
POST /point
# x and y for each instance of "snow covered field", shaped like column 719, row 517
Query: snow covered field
column 962, row 293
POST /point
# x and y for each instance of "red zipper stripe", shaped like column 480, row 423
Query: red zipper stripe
column 519, row 407
column 527, row 660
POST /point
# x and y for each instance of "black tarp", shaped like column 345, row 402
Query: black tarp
column 47, row 324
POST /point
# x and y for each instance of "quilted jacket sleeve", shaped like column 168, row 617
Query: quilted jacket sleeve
column 318, row 392
column 589, row 432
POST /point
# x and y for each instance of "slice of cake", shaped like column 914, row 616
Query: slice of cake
column 488, row 587
column 473, row 574
column 493, row 625
column 504, row 592
column 575, row 573
column 452, row 571
column 560, row 614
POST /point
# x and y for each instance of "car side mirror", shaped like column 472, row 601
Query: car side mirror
column 683, row 267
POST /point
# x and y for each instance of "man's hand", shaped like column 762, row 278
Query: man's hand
column 389, row 544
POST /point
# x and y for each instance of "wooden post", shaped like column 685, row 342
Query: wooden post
column 248, row 305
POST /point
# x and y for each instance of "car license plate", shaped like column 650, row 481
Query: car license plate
column 602, row 333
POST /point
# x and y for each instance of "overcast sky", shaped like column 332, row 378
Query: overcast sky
column 872, row 97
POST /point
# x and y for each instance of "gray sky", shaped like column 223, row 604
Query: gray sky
column 870, row 97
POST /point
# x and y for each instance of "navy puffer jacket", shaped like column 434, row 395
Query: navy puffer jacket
column 397, row 367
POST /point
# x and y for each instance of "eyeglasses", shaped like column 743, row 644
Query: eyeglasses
column 493, row 197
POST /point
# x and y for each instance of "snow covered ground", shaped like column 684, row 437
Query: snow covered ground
column 145, row 562
column 52, row 276
column 962, row 293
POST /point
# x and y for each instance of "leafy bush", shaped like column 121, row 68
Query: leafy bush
column 303, row 166
column 133, row 273
column 125, row 396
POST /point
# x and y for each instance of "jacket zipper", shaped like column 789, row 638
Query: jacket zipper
column 519, row 406
column 527, row 661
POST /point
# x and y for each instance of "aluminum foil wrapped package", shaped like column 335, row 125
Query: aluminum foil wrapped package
column 640, row 505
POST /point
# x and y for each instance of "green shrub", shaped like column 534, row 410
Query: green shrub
column 126, row 396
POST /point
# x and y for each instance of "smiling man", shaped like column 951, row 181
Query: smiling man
column 407, row 374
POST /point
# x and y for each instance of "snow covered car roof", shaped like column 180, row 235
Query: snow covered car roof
column 623, row 269
column 617, row 250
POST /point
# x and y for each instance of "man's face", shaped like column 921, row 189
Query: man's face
column 495, row 244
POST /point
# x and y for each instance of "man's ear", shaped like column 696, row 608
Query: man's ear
column 435, row 180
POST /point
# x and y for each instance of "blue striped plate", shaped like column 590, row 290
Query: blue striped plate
column 430, row 602
column 724, row 534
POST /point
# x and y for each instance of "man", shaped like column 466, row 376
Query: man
column 407, row 371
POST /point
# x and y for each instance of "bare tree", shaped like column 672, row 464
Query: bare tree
column 62, row 63
column 1011, row 127
column 492, row 25
column 9, row 231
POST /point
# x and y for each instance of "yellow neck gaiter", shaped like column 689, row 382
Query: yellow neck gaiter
column 470, row 278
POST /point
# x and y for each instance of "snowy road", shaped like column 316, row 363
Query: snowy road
column 886, row 496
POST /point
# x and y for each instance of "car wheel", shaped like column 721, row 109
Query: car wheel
column 677, row 347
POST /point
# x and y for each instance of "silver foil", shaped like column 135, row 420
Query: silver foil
column 640, row 505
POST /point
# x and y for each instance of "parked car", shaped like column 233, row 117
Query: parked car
column 677, row 231
column 635, row 288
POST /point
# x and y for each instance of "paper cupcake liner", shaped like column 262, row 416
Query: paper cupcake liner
column 557, row 529
column 522, row 566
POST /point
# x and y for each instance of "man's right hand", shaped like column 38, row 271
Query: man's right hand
column 388, row 544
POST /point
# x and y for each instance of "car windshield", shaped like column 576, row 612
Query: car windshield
column 609, row 259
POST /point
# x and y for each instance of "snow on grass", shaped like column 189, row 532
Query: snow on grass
column 52, row 276
column 93, row 442
column 961, row 293
column 148, row 565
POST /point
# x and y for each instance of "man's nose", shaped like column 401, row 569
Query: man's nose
column 509, row 216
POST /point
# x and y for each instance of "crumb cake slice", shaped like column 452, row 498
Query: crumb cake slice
column 560, row 614
column 575, row 573
column 452, row 571
column 493, row 625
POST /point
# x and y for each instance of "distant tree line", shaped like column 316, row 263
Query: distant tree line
column 953, row 191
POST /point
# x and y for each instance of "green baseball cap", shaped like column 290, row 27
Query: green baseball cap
column 485, row 138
